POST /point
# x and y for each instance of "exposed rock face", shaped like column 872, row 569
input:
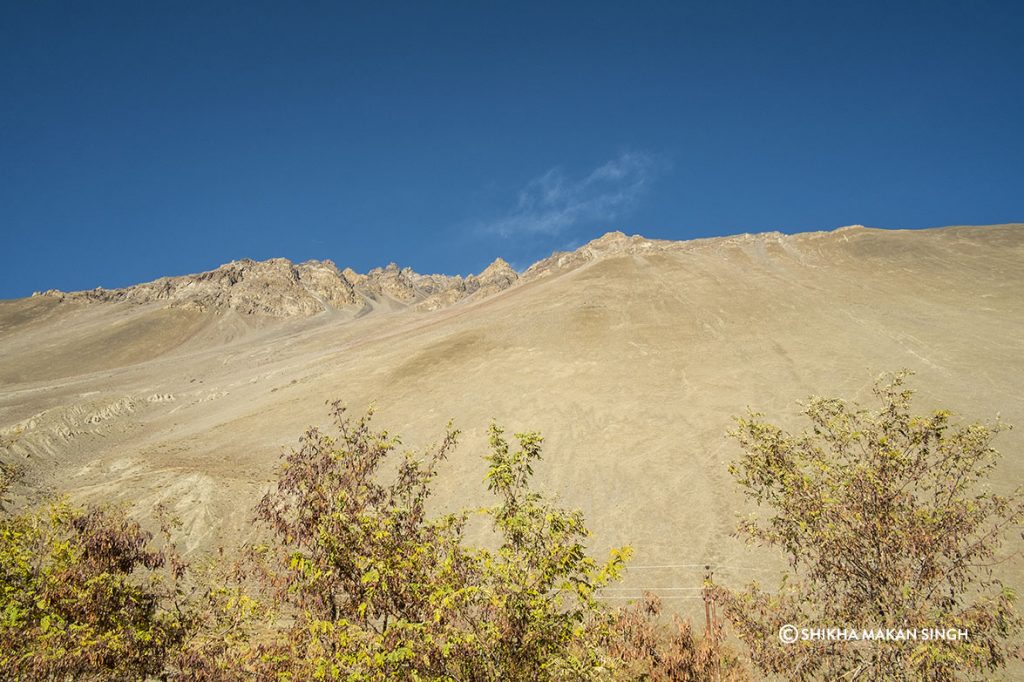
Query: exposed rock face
column 280, row 288
column 496, row 277
column 442, row 299
column 609, row 244
column 275, row 287
column 432, row 292
column 435, row 284
column 392, row 281
column 323, row 280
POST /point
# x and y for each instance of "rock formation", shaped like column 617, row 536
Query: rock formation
column 275, row 287
column 280, row 288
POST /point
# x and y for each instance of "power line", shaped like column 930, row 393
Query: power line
column 650, row 589
column 715, row 566
column 667, row 596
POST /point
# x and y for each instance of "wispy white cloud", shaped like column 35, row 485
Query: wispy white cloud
column 553, row 202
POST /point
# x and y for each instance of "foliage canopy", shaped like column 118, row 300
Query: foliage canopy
column 71, row 603
column 371, row 586
column 887, row 521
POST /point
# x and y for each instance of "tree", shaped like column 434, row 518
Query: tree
column 84, row 596
column 540, row 610
column 887, row 521
column 357, row 580
column 373, row 587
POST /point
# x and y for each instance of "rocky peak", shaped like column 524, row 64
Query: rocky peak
column 609, row 244
column 392, row 281
column 496, row 277
column 610, row 238
column 275, row 288
column 498, row 271
column 615, row 242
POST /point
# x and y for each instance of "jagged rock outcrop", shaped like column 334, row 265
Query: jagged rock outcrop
column 280, row 288
column 392, row 281
column 496, row 277
column 275, row 287
column 434, row 284
column 606, row 245
column 322, row 279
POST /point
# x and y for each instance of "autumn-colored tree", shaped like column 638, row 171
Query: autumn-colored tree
column 647, row 648
column 539, row 612
column 357, row 580
column 888, row 522
column 368, row 585
column 84, row 596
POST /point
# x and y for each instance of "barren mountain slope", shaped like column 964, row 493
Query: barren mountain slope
column 630, row 355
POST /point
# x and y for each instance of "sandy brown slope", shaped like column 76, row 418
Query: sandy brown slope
column 631, row 356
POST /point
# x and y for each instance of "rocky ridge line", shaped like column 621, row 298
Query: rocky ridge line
column 279, row 288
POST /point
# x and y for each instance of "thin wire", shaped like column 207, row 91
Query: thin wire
column 670, row 565
column 649, row 589
column 715, row 566
column 667, row 596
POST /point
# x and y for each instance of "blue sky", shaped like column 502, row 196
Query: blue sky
column 148, row 138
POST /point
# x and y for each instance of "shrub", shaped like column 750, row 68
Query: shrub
column 356, row 580
column 649, row 649
column 374, row 587
column 887, row 522
column 84, row 596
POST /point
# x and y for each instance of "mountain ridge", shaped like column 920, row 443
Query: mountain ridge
column 279, row 287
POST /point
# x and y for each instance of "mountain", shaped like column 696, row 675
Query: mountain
column 631, row 355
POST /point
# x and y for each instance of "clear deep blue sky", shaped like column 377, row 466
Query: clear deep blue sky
column 142, row 139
